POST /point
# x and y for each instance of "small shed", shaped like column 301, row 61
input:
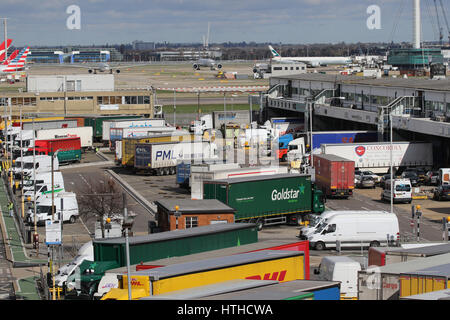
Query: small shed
column 191, row 213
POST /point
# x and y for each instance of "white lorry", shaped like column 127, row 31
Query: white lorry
column 296, row 149
column 375, row 156
column 43, row 163
column 44, row 208
column 161, row 158
column 117, row 134
column 41, row 191
column 254, row 137
column 85, row 134
column 129, row 123
column 355, row 230
column 197, row 177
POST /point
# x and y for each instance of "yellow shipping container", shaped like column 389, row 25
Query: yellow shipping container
column 423, row 281
column 261, row 265
column 129, row 144
column 2, row 124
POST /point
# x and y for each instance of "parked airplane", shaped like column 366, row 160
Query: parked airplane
column 103, row 67
column 311, row 61
column 17, row 64
column 212, row 64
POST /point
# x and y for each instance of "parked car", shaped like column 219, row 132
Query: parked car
column 432, row 178
column 442, row 192
column 383, row 179
column 412, row 176
column 366, row 182
column 375, row 177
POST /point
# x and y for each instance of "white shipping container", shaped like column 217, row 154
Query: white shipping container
column 376, row 156
column 127, row 123
column 119, row 133
column 196, row 179
column 85, row 134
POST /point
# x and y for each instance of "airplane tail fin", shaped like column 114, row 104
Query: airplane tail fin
column 11, row 57
column 2, row 49
column 274, row 53
column 19, row 61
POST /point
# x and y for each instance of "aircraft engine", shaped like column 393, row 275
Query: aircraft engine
column 90, row 71
column 117, row 71
column 196, row 66
column 219, row 66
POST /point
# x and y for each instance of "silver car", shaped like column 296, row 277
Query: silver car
column 366, row 182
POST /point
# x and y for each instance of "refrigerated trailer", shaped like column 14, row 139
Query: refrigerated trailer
column 84, row 133
column 130, row 123
column 376, row 156
column 161, row 158
column 117, row 134
column 335, row 175
column 69, row 149
column 198, row 176
column 265, row 200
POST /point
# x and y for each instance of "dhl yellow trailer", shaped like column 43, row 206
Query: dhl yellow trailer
column 425, row 280
column 260, row 265
column 129, row 144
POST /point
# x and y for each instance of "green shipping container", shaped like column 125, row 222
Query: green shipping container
column 175, row 243
column 96, row 122
column 266, row 196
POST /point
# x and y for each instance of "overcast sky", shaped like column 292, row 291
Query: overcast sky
column 43, row 22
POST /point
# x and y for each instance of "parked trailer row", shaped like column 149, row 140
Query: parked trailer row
column 117, row 134
column 185, row 168
column 272, row 199
column 69, row 149
column 282, row 265
column 137, row 122
column 383, row 283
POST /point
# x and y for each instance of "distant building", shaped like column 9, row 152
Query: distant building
column 409, row 59
column 74, row 55
column 189, row 55
column 141, row 45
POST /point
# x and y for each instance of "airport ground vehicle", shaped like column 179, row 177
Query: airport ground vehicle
column 442, row 192
column 84, row 133
column 125, row 154
column 343, row 269
column 375, row 156
column 282, row 265
column 355, row 230
column 272, row 199
column 69, row 149
column 335, row 175
column 44, row 208
column 161, row 158
column 43, row 178
column 40, row 163
column 402, row 191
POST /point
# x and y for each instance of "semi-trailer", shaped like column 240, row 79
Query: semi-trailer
column 282, row 266
column 266, row 200
column 161, row 158
column 117, row 134
column 334, row 175
column 69, row 149
column 128, row 149
column 84, row 133
column 129, row 123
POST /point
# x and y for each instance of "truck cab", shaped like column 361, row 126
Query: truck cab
column 283, row 146
column 44, row 208
column 199, row 126
column 296, row 149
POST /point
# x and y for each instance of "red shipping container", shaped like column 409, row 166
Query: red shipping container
column 335, row 175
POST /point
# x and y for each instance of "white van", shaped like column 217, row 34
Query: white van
column 42, row 190
column 402, row 191
column 44, row 208
column 43, row 164
column 343, row 269
column 355, row 230
column 43, row 178
column 86, row 252
column 316, row 220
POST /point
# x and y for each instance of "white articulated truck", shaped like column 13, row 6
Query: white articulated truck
column 161, row 158
column 43, row 163
column 375, row 156
column 198, row 176
column 85, row 134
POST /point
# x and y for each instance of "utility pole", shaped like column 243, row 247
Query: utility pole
column 127, row 244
